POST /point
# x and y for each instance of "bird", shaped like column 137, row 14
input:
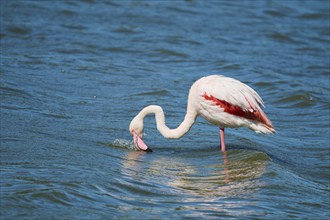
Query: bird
column 220, row 100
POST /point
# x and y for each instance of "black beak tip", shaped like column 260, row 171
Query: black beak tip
column 148, row 150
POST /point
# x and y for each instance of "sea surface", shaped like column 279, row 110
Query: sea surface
column 74, row 74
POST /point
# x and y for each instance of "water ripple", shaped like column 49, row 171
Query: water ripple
column 74, row 73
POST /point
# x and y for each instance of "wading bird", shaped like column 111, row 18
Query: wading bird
column 222, row 101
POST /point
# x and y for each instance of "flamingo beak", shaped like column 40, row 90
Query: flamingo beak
column 139, row 144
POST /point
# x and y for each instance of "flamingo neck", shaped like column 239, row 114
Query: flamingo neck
column 176, row 133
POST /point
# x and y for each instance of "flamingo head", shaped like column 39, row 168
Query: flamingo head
column 136, row 129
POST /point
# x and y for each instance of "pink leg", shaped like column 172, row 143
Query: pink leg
column 222, row 139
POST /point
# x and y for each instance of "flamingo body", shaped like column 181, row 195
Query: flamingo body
column 222, row 101
column 227, row 102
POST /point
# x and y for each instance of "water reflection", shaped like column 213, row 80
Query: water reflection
column 225, row 174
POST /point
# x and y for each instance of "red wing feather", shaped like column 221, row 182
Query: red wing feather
column 254, row 114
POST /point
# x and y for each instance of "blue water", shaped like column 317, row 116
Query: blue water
column 74, row 74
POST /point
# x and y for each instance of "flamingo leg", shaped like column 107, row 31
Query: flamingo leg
column 222, row 140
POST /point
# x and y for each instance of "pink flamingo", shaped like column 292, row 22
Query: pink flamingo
column 222, row 101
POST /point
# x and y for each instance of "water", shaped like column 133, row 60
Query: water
column 74, row 73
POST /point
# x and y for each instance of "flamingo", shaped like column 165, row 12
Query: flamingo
column 222, row 101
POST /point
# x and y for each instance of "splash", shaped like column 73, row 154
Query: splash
column 123, row 143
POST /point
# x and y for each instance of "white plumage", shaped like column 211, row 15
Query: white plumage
column 223, row 101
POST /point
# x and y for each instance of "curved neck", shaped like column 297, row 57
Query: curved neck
column 178, row 132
